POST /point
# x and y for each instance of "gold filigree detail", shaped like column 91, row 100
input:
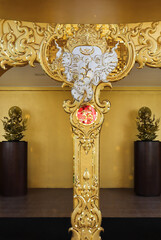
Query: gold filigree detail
column 87, row 36
column 68, row 38
column 21, row 43
column 87, row 51
column 87, row 133
column 17, row 45
column 149, row 49
column 126, row 50
column 86, row 142
column 86, row 217
column 39, row 29
column 104, row 106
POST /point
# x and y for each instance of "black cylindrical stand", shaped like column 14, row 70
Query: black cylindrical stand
column 13, row 168
column 147, row 168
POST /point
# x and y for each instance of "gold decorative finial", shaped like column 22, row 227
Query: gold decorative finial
column 86, row 175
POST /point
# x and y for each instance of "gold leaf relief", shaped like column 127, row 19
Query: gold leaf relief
column 39, row 29
column 67, row 37
column 87, row 134
column 19, row 44
column 86, row 217
column 149, row 47
column 17, row 49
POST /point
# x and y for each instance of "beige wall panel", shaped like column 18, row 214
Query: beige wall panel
column 49, row 133
column 119, row 132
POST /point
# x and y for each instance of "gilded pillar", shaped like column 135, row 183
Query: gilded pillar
column 86, row 120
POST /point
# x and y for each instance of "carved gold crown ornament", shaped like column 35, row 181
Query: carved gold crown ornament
column 86, row 58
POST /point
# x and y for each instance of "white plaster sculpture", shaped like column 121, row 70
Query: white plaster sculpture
column 87, row 66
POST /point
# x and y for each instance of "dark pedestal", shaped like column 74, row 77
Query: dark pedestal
column 13, row 168
column 147, row 172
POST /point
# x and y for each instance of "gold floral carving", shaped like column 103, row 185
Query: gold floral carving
column 24, row 43
column 86, row 217
column 148, row 51
column 17, row 45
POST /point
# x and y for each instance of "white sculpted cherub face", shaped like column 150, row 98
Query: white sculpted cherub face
column 87, row 66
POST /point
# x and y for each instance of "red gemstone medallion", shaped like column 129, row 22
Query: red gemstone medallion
column 87, row 114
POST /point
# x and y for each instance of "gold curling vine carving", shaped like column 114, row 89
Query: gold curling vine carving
column 86, row 217
column 68, row 36
column 17, row 45
column 149, row 52
column 87, row 134
column 20, row 42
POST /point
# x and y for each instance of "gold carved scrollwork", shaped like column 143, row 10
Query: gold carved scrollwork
column 86, row 217
column 87, row 35
column 69, row 37
column 126, row 48
column 24, row 43
column 149, row 46
column 55, row 34
column 17, row 44
column 87, row 134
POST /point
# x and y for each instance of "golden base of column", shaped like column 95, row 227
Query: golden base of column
column 86, row 217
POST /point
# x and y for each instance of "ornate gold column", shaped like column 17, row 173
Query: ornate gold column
column 86, row 217
column 86, row 58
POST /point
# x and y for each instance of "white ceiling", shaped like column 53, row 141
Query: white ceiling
column 29, row 77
